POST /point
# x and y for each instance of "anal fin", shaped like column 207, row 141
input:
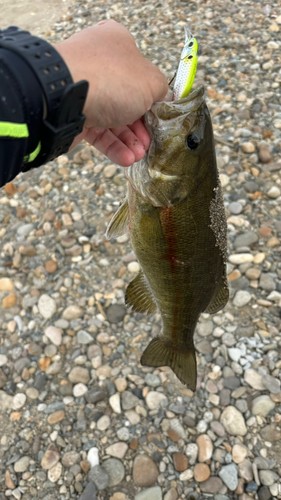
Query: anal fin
column 183, row 362
column 119, row 222
column 139, row 296
column 219, row 300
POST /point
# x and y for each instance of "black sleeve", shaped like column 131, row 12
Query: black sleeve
column 21, row 102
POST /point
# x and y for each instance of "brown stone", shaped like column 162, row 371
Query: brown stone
column 15, row 416
column 134, row 444
column 201, row 472
column 145, row 471
column 21, row 212
column 265, row 231
column 51, row 266
column 3, row 378
column 44, row 363
column 33, row 194
column 49, row 215
column 28, row 250
column 50, row 458
column 180, row 461
column 205, row 448
column 212, row 485
column 56, row 417
column 10, row 300
column 10, row 188
column 264, row 154
column 85, row 466
column 173, row 435
column 8, row 480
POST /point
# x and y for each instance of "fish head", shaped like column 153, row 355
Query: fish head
column 182, row 143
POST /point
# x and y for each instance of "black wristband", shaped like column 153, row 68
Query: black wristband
column 64, row 99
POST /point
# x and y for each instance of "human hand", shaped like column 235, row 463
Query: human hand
column 123, row 85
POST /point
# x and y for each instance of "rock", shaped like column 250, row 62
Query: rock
column 115, row 470
column 264, row 153
column 229, row 475
column 54, row 334
column 246, row 239
column 233, row 421
column 70, row 458
column 3, row 380
column 205, row 446
column 79, row 390
column 56, row 417
column 176, row 426
column 47, row 306
column 234, row 354
column 115, row 313
column 264, row 493
column 266, row 282
column 133, row 267
column 217, row 428
column 201, row 472
column 110, row 170
column 239, row 453
column 262, row 405
column 268, row 477
column 213, row 485
column 171, row 494
column 242, row 297
column 241, row 258
column 79, row 374
column 123, row 434
column 128, row 400
column 95, row 395
column 150, row 494
column 49, row 215
column 93, row 456
column 22, row 464
column 155, row 399
column 55, row 473
column 117, row 450
column 115, row 403
column 19, row 401
column 6, row 285
column 180, row 461
column 248, row 147
column 121, row 384
column 270, row 433
column 9, row 301
column 145, row 471
column 99, row 477
column 50, row 458
column 274, row 192
column 152, row 380
column 191, row 452
column 25, row 229
column 51, row 266
column 89, row 493
column 84, row 337
column 254, row 379
column 103, row 423
column 235, row 208
column 246, row 470
column 72, row 312
column 272, row 384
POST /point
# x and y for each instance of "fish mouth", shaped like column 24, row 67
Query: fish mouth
column 165, row 111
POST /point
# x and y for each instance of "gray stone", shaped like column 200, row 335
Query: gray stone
column 115, row 313
column 79, row 374
column 229, row 475
column 246, row 470
column 231, row 383
column 272, row 384
column 268, row 477
column 264, row 493
column 22, row 464
column 154, row 493
column 129, row 400
column 115, row 470
column 25, row 229
column 217, row 428
column 99, row 477
column 211, row 485
column 89, row 492
column 262, row 405
column 267, row 282
column 95, row 395
column 235, row 208
column 205, row 328
column 246, row 239
column 84, row 337
column 152, row 380
column 242, row 297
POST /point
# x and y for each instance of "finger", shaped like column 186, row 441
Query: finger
column 130, row 139
column 111, row 146
column 140, row 131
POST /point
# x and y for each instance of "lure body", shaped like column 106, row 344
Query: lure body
column 187, row 67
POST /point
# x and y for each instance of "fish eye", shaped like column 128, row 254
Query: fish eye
column 193, row 141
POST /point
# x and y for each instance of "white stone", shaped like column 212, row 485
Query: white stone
column 233, row 421
column 242, row 297
column 54, row 334
column 274, row 192
column 114, row 402
column 103, row 423
column 187, row 475
column 19, row 401
column 133, row 267
column 47, row 306
column 155, row 399
column 240, row 258
column 55, row 473
column 234, row 353
column 93, row 456
column 3, row 359
column 79, row 390
column 277, row 123
column 224, row 180
column 110, row 170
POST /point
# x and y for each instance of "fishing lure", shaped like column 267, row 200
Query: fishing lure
column 187, row 67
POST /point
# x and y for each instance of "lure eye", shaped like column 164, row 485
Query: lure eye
column 193, row 141
column 190, row 57
column 190, row 44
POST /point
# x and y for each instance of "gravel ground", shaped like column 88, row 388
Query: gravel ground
column 79, row 417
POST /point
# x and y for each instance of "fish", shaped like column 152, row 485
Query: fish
column 187, row 67
column 175, row 215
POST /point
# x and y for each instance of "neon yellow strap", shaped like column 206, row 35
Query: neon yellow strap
column 16, row 130
column 32, row 156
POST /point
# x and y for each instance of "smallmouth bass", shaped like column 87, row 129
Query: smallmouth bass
column 175, row 215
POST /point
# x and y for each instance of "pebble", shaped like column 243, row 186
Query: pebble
column 70, row 458
column 212, row 485
column 128, row 400
column 205, row 447
column 254, row 379
column 93, row 456
column 233, row 421
column 274, row 192
column 54, row 334
column 133, row 267
column 109, row 171
column 99, row 477
column 262, row 405
column 201, row 472
column 145, row 471
column 79, row 374
column 268, row 477
column 6, row 285
column 117, row 450
column 239, row 453
column 155, row 399
column 150, row 494
column 191, row 452
column 248, row 147
column 79, row 390
column 272, row 384
column 115, row 403
column 235, row 208
column 55, row 473
column 115, row 470
column 241, row 258
column 72, row 312
column 242, row 297
column 229, row 475
column 47, row 306
column 180, row 462
column 50, row 458
column 19, row 401
column 84, row 337
column 89, row 492
column 22, row 464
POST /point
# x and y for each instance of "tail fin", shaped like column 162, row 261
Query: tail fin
column 183, row 362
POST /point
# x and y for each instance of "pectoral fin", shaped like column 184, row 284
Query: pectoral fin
column 139, row 296
column 219, row 300
column 119, row 222
column 183, row 362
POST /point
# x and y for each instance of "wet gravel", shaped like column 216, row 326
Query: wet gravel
column 79, row 417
